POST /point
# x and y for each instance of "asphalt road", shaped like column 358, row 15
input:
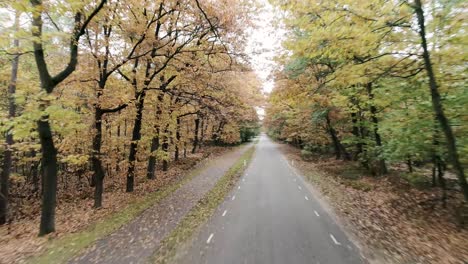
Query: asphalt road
column 271, row 217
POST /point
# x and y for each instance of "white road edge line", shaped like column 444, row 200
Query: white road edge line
column 317, row 214
column 334, row 240
column 307, row 198
column 209, row 238
column 234, row 197
column 224, row 213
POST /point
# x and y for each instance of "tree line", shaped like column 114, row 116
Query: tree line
column 109, row 88
column 379, row 82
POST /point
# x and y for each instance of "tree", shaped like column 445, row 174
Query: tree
column 48, row 83
column 7, row 155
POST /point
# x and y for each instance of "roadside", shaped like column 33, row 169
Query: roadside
column 78, row 224
column 393, row 220
column 136, row 241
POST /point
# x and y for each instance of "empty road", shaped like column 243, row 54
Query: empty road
column 271, row 217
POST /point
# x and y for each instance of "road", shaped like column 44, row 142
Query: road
column 271, row 217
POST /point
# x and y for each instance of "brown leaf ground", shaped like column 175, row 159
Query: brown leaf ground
column 394, row 221
column 19, row 240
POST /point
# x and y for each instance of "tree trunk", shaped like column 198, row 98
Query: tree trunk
column 340, row 151
column 49, row 177
column 98, row 170
column 437, row 103
column 356, row 134
column 382, row 168
column 410, row 165
column 136, row 136
column 202, row 136
column 195, row 135
column 334, row 138
column 165, row 162
column 151, row 170
column 7, row 155
column 176, row 154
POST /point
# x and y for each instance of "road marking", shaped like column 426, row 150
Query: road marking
column 317, row 214
column 234, row 197
column 334, row 240
column 307, row 198
column 209, row 238
column 243, row 179
column 238, row 187
column 224, row 213
column 299, row 187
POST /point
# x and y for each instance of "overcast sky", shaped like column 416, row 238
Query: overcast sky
column 264, row 43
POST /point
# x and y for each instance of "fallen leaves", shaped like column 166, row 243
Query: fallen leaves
column 18, row 240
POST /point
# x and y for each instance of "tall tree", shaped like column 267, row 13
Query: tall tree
column 48, row 84
column 7, row 155
column 437, row 102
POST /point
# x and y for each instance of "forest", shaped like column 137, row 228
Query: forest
column 382, row 83
column 133, row 123
column 102, row 90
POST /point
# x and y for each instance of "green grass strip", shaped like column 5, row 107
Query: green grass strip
column 63, row 249
column 202, row 211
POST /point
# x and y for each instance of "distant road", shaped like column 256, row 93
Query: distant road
column 271, row 218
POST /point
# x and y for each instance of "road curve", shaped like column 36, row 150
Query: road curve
column 272, row 218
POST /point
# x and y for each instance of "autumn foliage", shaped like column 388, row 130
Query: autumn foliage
column 121, row 89
column 379, row 82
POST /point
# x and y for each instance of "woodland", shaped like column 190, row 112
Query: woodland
column 373, row 97
column 381, row 83
column 102, row 97
column 106, row 90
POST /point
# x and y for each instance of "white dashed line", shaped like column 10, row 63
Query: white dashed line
column 224, row 213
column 317, row 214
column 243, row 180
column 299, row 187
column 238, row 187
column 334, row 240
column 307, row 198
column 234, row 197
column 209, row 238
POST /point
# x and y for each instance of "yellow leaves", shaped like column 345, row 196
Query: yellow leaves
column 75, row 159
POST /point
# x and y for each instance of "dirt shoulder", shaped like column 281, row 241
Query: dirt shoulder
column 393, row 221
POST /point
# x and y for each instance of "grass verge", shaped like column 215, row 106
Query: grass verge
column 63, row 249
column 202, row 211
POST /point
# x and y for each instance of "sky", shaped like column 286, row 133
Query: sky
column 264, row 43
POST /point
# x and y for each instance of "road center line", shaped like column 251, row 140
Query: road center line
column 224, row 213
column 234, row 197
column 209, row 238
column 334, row 240
column 317, row 214
column 307, row 198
